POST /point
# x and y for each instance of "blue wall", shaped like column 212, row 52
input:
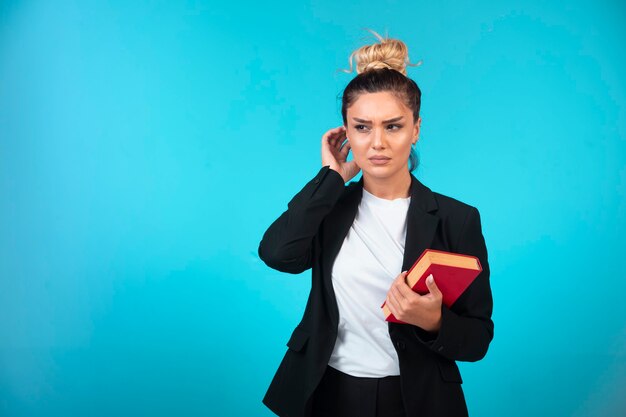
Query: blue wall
column 146, row 147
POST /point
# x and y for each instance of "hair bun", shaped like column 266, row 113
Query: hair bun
column 389, row 53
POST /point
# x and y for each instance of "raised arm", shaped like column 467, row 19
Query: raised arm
column 286, row 244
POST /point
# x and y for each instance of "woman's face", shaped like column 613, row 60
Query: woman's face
column 379, row 125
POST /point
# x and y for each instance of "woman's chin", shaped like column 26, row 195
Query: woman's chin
column 380, row 171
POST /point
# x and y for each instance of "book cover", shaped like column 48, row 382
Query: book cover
column 453, row 273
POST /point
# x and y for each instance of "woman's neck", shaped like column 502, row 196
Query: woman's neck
column 391, row 188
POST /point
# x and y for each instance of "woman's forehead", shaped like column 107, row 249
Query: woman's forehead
column 381, row 106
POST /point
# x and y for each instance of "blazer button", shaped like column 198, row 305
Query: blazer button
column 400, row 344
column 440, row 348
column 316, row 180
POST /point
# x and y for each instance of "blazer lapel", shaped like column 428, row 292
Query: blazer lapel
column 421, row 223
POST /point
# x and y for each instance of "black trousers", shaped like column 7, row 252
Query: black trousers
column 342, row 395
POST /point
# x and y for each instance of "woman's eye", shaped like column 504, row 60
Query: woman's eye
column 392, row 126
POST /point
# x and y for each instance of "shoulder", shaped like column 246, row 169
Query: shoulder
column 454, row 213
column 451, row 206
column 460, row 222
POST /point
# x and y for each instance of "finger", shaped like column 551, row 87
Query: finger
column 432, row 286
column 338, row 144
column 406, row 291
column 339, row 137
column 342, row 152
column 333, row 142
column 345, row 148
column 337, row 131
column 326, row 143
column 392, row 303
column 328, row 147
column 331, row 134
column 395, row 291
column 397, row 284
column 330, row 139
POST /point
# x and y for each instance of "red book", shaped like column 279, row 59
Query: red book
column 453, row 273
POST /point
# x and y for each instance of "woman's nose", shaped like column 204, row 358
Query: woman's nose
column 377, row 139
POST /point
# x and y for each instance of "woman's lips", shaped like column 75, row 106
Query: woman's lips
column 379, row 161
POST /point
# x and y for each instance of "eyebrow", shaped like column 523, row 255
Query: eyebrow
column 395, row 119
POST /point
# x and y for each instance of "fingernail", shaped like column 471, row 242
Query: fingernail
column 430, row 279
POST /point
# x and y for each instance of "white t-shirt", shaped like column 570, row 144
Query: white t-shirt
column 366, row 265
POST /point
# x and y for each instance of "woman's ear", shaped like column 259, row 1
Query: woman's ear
column 416, row 129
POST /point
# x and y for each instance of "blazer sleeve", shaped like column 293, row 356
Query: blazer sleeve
column 466, row 332
column 287, row 244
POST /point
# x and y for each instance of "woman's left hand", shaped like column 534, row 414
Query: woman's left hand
column 421, row 310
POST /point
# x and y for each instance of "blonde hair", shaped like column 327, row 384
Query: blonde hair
column 381, row 67
column 388, row 53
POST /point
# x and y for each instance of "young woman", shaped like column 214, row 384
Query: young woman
column 343, row 358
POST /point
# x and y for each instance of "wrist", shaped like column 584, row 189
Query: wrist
column 434, row 328
column 338, row 172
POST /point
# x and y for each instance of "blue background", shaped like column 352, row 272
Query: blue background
column 146, row 146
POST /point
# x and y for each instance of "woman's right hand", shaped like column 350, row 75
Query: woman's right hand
column 335, row 153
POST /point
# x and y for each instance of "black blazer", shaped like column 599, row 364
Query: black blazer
column 310, row 233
